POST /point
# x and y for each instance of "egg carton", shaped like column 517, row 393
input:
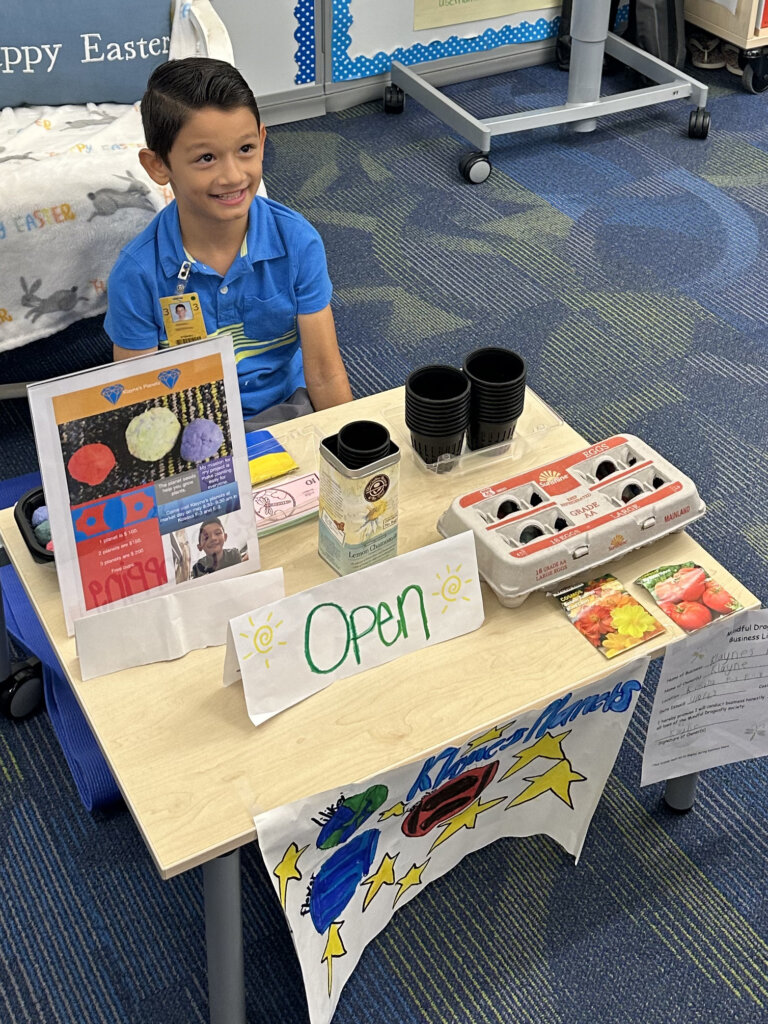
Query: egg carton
column 538, row 529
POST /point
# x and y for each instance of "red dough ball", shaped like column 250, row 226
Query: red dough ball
column 91, row 464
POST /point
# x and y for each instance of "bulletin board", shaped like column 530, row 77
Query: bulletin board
column 367, row 35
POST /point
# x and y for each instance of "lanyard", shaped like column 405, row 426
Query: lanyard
column 182, row 276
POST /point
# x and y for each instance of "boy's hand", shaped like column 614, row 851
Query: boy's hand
column 324, row 372
column 118, row 352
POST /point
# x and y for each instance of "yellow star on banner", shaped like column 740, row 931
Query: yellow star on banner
column 396, row 810
column 557, row 780
column 287, row 869
column 383, row 875
column 492, row 734
column 411, row 877
column 548, row 746
column 466, row 819
column 333, row 947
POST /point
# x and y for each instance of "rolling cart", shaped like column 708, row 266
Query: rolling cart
column 745, row 27
column 590, row 41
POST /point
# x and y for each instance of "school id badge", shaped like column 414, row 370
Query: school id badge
column 183, row 318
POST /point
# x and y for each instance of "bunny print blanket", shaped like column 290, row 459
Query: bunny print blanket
column 73, row 194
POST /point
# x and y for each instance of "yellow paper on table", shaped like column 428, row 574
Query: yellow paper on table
column 438, row 13
column 267, row 458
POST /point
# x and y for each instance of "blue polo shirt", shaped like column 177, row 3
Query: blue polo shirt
column 280, row 272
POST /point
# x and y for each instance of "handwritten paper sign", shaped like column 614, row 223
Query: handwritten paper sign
column 290, row 649
column 711, row 704
column 344, row 861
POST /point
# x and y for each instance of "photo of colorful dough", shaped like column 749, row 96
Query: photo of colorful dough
column 139, row 444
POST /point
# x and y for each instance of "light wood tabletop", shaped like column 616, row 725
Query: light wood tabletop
column 192, row 767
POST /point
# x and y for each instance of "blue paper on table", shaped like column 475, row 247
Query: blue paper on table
column 267, row 458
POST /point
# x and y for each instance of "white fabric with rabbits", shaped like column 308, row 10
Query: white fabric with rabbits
column 73, row 194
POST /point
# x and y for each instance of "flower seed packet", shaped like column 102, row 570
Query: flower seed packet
column 608, row 616
column 688, row 595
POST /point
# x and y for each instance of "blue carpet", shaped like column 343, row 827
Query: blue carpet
column 629, row 267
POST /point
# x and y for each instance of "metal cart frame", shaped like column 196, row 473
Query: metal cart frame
column 590, row 41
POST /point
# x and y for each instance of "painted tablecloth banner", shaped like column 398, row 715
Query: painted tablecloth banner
column 344, row 861
column 437, row 13
column 290, row 649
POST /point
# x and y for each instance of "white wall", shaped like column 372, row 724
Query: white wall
column 262, row 39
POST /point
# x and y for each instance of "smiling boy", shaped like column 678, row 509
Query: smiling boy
column 257, row 267
column 211, row 541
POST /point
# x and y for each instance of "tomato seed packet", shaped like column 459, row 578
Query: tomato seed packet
column 688, row 595
column 609, row 617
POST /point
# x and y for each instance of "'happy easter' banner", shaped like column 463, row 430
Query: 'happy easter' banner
column 344, row 861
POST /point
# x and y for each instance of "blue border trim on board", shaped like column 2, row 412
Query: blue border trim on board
column 305, row 57
column 345, row 68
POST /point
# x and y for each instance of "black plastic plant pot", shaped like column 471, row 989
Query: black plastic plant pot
column 438, row 451
column 437, row 425
column 361, row 443
column 485, row 434
column 494, row 369
column 26, row 505
column 436, row 384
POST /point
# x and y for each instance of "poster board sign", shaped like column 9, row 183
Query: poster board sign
column 145, row 475
column 439, row 13
column 288, row 650
column 344, row 861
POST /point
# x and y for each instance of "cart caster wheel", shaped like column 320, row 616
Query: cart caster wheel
column 753, row 80
column 22, row 692
column 698, row 123
column 394, row 100
column 475, row 168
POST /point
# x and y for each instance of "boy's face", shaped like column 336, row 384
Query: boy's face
column 214, row 166
column 212, row 538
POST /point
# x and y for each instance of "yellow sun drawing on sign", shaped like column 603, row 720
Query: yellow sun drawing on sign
column 263, row 638
column 451, row 587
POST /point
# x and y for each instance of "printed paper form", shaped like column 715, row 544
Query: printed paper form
column 711, row 704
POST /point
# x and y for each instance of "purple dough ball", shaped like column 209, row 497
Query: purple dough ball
column 201, row 439
column 39, row 515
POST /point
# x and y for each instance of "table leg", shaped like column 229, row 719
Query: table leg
column 680, row 793
column 589, row 29
column 224, row 939
column 5, row 653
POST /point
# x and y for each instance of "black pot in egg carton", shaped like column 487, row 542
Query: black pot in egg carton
column 535, row 530
column 24, row 513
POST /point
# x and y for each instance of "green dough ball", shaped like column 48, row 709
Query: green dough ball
column 152, row 434
column 43, row 531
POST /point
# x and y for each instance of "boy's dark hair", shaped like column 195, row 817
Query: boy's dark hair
column 179, row 87
column 209, row 522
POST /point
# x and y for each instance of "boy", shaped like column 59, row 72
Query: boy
column 257, row 267
column 210, row 541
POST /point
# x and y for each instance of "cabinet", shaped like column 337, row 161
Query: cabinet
column 742, row 28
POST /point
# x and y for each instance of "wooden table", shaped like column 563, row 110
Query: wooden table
column 194, row 770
